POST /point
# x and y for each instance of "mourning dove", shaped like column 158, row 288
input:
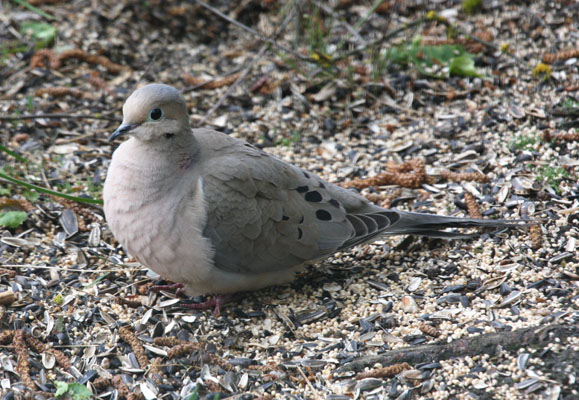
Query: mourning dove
column 219, row 215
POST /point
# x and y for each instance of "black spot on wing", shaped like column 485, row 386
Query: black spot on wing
column 301, row 220
column 302, row 189
column 306, row 174
column 323, row 215
column 300, row 233
column 285, row 218
column 313, row 196
column 334, row 203
column 321, row 185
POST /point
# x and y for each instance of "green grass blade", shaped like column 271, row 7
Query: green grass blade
column 13, row 154
column 97, row 280
column 34, row 9
column 368, row 14
column 48, row 191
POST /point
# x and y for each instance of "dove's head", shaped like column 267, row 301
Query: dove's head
column 156, row 114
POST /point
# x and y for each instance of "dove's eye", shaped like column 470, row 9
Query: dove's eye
column 156, row 114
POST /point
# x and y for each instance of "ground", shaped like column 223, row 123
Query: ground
column 358, row 94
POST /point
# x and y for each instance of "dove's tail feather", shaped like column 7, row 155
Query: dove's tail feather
column 408, row 223
column 392, row 222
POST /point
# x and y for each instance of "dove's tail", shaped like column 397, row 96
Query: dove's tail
column 409, row 223
column 369, row 226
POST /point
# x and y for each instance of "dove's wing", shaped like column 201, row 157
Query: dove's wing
column 264, row 214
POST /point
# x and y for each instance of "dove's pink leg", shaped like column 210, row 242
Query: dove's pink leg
column 216, row 302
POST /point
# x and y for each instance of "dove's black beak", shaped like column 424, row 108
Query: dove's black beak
column 122, row 130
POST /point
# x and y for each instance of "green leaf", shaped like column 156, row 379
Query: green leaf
column 12, row 219
column 79, row 391
column 471, row 6
column 61, row 388
column 4, row 191
column 38, row 30
column 443, row 54
column 30, row 195
column 76, row 390
column 42, row 33
column 425, row 56
column 463, row 66
column 194, row 395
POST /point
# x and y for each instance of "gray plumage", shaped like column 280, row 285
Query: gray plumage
column 218, row 215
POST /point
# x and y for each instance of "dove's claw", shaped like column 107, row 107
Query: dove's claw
column 216, row 302
column 178, row 288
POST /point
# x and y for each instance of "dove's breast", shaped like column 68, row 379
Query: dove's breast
column 158, row 217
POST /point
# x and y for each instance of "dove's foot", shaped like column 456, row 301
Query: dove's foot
column 216, row 302
column 178, row 288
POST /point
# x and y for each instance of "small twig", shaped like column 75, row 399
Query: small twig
column 7, row 272
column 68, row 269
column 58, row 115
column 128, row 336
column 234, row 85
column 448, row 24
column 361, row 22
column 550, row 58
column 472, row 205
column 536, row 237
column 410, row 174
column 122, row 388
column 429, row 330
column 334, row 14
column 254, row 32
column 183, row 349
column 137, row 283
column 23, row 366
column 210, row 84
column 207, row 82
column 62, row 91
column 245, row 71
column 480, row 344
column 385, row 372
column 384, row 38
column 433, row 18
column 151, row 64
column 169, row 341
column 464, row 176
column 308, row 383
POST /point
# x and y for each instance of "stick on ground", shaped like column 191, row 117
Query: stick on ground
column 489, row 343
